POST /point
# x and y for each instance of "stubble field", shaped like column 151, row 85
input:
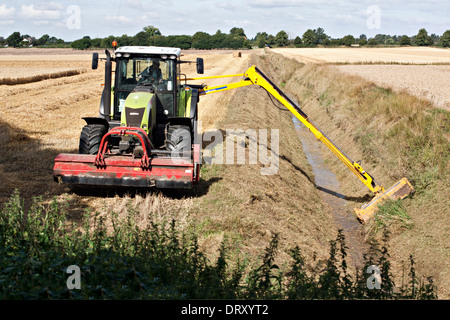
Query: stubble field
column 422, row 72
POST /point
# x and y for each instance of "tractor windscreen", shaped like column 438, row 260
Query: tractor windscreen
column 154, row 72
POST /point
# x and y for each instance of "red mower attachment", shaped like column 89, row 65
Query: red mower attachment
column 152, row 168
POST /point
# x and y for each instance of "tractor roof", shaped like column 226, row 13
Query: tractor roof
column 149, row 50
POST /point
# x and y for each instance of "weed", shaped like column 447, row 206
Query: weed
column 390, row 214
column 162, row 262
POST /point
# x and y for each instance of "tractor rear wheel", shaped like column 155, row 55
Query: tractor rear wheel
column 179, row 139
column 90, row 138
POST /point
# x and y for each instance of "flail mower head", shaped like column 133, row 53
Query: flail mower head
column 399, row 190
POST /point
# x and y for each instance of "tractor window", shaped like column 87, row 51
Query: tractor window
column 147, row 71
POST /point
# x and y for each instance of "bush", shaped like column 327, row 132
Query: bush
column 161, row 262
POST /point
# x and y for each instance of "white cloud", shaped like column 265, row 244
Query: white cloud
column 30, row 12
column 120, row 19
column 6, row 13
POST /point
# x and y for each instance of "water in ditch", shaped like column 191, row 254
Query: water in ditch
column 331, row 193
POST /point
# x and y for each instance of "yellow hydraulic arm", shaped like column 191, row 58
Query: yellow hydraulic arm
column 253, row 76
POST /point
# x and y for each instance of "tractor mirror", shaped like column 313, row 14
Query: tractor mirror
column 200, row 65
column 94, row 60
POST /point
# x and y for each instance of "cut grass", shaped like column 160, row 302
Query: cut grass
column 23, row 76
column 391, row 215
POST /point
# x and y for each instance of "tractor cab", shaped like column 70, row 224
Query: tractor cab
column 148, row 92
column 148, row 69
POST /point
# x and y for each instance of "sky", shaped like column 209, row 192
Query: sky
column 73, row 19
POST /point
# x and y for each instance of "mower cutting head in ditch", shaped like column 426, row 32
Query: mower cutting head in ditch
column 146, row 132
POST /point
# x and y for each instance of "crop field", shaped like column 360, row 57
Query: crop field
column 395, row 132
column 423, row 72
column 413, row 55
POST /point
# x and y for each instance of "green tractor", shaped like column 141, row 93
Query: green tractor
column 146, row 131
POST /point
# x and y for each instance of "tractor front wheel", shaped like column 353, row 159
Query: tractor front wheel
column 179, row 139
column 90, row 138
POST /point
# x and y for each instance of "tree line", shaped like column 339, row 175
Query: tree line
column 235, row 39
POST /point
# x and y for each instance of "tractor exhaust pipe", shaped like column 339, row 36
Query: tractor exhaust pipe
column 107, row 90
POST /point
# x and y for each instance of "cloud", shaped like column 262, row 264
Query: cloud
column 137, row 4
column 6, row 13
column 32, row 13
column 283, row 3
column 119, row 19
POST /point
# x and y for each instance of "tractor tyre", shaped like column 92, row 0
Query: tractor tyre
column 90, row 138
column 179, row 140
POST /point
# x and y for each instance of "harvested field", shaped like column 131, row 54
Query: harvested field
column 402, row 55
column 428, row 82
column 420, row 71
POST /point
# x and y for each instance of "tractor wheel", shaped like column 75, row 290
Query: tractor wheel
column 179, row 139
column 90, row 138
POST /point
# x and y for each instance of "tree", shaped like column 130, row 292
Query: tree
column 141, row 39
column 14, row 39
column 107, row 42
column 372, row 42
column 319, row 36
column 42, row 40
column 445, row 39
column 201, row 40
column 218, row 40
column 82, row 44
column 309, row 38
column 181, row 41
column 405, row 40
column 423, row 39
column 298, row 42
column 238, row 32
column 261, row 39
column 389, row 41
column 152, row 31
column 348, row 40
column 281, row 39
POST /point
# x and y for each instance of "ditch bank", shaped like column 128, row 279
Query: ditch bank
column 395, row 135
